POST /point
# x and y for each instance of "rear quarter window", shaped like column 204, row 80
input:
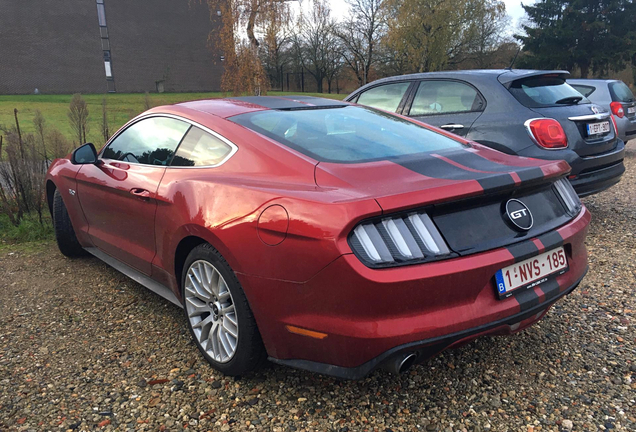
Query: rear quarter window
column 620, row 92
column 585, row 90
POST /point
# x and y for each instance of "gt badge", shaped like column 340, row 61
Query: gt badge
column 519, row 214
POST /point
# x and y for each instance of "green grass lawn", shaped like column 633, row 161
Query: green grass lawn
column 121, row 108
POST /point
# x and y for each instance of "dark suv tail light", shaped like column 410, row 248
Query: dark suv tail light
column 617, row 109
column 547, row 133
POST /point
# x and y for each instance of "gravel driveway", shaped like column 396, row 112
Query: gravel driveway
column 84, row 348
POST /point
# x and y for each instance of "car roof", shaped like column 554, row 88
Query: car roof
column 505, row 76
column 228, row 107
column 592, row 81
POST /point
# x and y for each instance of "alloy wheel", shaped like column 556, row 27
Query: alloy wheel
column 211, row 312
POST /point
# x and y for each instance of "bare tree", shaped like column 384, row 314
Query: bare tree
column 315, row 41
column 104, row 123
column 22, row 176
column 360, row 36
column 78, row 117
column 485, row 35
column 276, row 49
column 147, row 101
column 40, row 128
column 57, row 143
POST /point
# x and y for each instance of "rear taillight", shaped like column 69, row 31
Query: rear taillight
column 568, row 196
column 395, row 240
column 614, row 123
column 547, row 133
column 617, row 109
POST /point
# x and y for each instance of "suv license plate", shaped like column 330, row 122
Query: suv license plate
column 598, row 128
column 631, row 110
column 531, row 272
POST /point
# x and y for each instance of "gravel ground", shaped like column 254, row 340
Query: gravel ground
column 84, row 348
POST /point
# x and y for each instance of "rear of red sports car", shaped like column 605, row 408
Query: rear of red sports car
column 334, row 237
column 464, row 242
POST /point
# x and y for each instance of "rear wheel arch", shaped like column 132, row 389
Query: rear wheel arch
column 185, row 246
column 193, row 237
column 50, row 193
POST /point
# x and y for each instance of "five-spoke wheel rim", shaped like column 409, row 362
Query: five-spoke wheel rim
column 211, row 311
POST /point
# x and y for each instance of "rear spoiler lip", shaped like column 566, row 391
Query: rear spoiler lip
column 510, row 76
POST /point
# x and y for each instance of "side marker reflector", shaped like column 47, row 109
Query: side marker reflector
column 305, row 332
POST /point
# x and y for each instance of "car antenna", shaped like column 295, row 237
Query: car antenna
column 514, row 59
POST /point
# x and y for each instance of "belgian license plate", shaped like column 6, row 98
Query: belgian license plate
column 631, row 110
column 531, row 272
column 598, row 128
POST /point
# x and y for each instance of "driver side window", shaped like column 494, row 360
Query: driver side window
column 151, row 141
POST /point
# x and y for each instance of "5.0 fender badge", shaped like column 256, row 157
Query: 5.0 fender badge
column 519, row 214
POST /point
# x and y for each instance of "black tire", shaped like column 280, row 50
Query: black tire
column 64, row 232
column 250, row 352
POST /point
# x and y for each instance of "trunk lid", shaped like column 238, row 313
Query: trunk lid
column 424, row 179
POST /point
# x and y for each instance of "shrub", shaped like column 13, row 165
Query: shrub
column 22, row 175
column 78, row 117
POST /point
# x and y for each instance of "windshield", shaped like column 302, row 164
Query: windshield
column 620, row 92
column 536, row 92
column 346, row 134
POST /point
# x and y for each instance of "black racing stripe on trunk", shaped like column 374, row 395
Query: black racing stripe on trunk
column 476, row 162
column 523, row 250
column 496, row 182
column 527, row 298
column 438, row 168
column 550, row 289
column 551, row 240
column 529, row 173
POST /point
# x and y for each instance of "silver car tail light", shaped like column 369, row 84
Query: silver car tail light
column 568, row 196
column 396, row 240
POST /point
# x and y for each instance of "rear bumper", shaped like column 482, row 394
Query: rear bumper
column 427, row 348
column 592, row 174
column 626, row 128
column 591, row 182
column 365, row 316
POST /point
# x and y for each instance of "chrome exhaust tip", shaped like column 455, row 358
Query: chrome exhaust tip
column 400, row 363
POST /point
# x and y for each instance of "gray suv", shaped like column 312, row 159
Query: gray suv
column 615, row 96
column 523, row 112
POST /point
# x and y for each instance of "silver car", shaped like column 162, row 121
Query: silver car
column 616, row 97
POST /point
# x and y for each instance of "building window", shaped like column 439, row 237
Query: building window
column 101, row 15
column 109, row 72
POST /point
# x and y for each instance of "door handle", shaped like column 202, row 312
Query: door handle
column 452, row 126
column 140, row 193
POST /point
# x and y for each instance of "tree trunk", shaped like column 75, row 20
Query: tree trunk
column 318, row 83
column 585, row 70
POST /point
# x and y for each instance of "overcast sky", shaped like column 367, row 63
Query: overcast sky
column 513, row 7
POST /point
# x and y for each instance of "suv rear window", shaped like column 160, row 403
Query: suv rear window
column 350, row 134
column 620, row 92
column 541, row 91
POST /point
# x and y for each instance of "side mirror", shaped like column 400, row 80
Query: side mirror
column 85, row 154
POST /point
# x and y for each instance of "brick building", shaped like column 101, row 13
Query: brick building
column 95, row 46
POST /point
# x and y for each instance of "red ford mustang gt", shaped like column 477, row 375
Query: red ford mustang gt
column 322, row 235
